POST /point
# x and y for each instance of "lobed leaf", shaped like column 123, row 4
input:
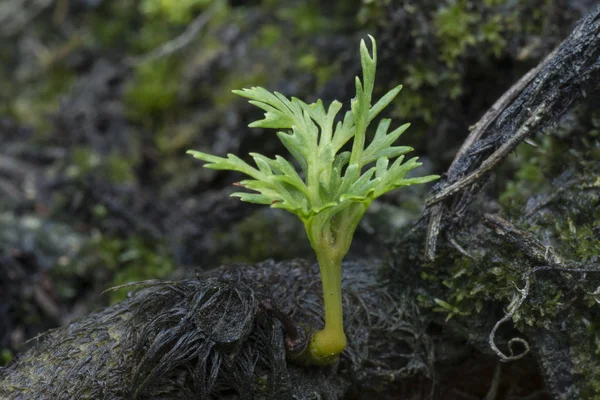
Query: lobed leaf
column 331, row 176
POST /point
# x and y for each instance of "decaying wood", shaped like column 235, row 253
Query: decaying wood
column 538, row 100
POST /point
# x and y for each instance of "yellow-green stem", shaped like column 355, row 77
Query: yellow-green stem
column 328, row 343
column 330, row 234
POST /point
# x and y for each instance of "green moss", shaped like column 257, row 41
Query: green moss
column 454, row 27
column 112, row 25
column 586, row 361
column 567, row 220
column 6, row 355
column 119, row 169
column 529, row 175
column 138, row 261
column 492, row 34
column 152, row 92
column 150, row 36
column 306, row 18
column 33, row 103
column 256, row 75
column 107, row 261
column 83, row 161
column 460, row 27
column 114, row 168
column 265, row 234
column 174, row 11
column 463, row 32
column 268, row 35
column 309, row 62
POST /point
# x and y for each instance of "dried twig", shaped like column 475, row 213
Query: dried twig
column 177, row 43
column 492, row 161
column 539, row 98
column 522, row 239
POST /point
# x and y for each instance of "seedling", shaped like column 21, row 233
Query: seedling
column 332, row 192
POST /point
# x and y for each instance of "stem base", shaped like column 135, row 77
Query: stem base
column 326, row 346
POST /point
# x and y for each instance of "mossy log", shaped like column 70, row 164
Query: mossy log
column 411, row 319
column 218, row 336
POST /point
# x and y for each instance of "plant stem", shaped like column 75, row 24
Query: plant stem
column 330, row 234
column 328, row 343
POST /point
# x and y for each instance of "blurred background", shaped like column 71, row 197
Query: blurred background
column 100, row 99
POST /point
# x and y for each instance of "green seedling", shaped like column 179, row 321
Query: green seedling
column 335, row 186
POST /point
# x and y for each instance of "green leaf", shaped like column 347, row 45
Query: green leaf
column 384, row 102
column 332, row 178
column 382, row 164
column 253, row 198
column 351, row 175
column 380, row 145
column 364, row 185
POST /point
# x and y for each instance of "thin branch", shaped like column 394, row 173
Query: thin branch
column 177, row 43
column 499, row 106
column 528, row 127
column 522, row 239
column 568, row 73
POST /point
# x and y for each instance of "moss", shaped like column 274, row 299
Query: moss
column 153, row 90
column 33, row 104
column 174, row 11
column 138, row 261
column 151, row 35
column 460, row 27
column 115, row 168
column 529, row 175
column 553, row 194
column 6, row 355
column 119, row 169
column 566, row 220
column 454, row 27
column 447, row 40
column 307, row 18
column 107, row 261
column 256, row 75
column 83, row 161
column 155, row 22
column 492, row 34
column 586, row 361
column 309, row 62
column 265, row 234
column 111, row 26
column 268, row 35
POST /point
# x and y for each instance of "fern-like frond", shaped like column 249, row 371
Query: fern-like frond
column 329, row 176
